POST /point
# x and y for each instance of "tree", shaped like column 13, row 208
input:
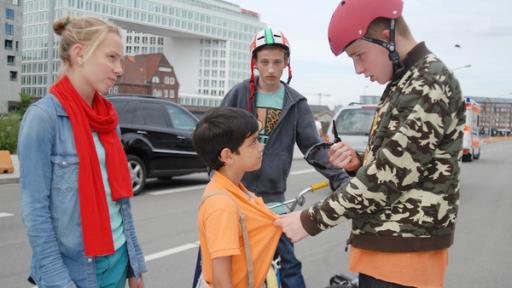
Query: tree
column 25, row 101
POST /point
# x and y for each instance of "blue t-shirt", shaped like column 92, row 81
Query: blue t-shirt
column 269, row 107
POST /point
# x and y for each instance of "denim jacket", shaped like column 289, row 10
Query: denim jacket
column 50, row 202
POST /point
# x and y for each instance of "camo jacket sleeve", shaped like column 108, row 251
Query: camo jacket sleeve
column 418, row 114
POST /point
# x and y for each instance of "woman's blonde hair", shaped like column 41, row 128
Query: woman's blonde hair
column 88, row 31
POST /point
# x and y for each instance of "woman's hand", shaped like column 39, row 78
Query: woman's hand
column 135, row 283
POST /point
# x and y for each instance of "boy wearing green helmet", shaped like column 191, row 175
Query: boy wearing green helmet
column 403, row 200
column 285, row 120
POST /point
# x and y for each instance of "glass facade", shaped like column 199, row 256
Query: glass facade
column 10, row 74
column 223, row 30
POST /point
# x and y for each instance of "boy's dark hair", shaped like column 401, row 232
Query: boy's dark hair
column 222, row 127
column 380, row 24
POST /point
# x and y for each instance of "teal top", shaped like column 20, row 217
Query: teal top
column 116, row 222
column 269, row 106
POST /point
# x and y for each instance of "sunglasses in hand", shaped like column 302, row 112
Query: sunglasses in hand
column 318, row 155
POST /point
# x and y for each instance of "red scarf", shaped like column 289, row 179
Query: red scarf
column 102, row 119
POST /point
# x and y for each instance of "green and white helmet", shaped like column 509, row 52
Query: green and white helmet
column 269, row 37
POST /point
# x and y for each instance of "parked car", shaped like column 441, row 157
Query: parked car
column 353, row 124
column 157, row 138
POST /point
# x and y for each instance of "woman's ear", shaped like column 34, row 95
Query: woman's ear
column 76, row 54
column 226, row 155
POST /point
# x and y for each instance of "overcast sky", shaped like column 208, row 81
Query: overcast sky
column 483, row 29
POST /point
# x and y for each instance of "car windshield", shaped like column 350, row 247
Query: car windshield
column 355, row 121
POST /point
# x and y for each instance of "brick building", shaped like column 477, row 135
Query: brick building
column 148, row 75
column 495, row 115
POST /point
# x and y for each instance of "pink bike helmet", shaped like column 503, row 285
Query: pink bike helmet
column 351, row 19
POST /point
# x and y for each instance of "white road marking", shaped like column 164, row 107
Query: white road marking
column 299, row 172
column 171, row 251
column 201, row 187
column 176, row 190
column 5, row 215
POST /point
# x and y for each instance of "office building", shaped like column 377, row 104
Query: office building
column 10, row 54
column 207, row 41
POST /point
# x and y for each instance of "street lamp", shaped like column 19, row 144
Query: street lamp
column 462, row 67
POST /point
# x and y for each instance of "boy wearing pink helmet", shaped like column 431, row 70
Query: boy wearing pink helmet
column 403, row 200
column 285, row 120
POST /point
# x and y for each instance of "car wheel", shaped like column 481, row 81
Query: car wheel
column 476, row 156
column 467, row 157
column 138, row 173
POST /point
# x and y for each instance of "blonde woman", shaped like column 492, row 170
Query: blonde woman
column 75, row 181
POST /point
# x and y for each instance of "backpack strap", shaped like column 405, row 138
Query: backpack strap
column 245, row 234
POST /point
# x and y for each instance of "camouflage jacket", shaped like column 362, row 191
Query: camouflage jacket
column 405, row 196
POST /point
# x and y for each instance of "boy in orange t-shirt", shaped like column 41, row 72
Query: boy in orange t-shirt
column 226, row 139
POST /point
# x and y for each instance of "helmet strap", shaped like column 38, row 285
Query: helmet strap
column 289, row 72
column 393, row 55
column 252, row 87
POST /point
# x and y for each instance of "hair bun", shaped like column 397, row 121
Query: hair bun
column 60, row 25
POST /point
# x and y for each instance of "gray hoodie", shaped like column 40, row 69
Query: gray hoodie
column 296, row 125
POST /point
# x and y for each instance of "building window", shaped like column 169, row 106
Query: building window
column 9, row 29
column 129, row 39
column 172, row 80
column 155, row 80
column 9, row 13
column 11, row 60
column 13, row 75
column 14, row 2
column 171, row 94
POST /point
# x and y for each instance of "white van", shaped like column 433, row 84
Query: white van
column 353, row 124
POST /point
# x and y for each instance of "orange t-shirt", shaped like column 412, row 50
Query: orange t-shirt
column 416, row 269
column 220, row 232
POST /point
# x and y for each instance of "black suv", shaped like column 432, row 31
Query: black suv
column 157, row 138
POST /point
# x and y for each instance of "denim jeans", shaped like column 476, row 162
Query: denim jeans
column 291, row 275
column 366, row 281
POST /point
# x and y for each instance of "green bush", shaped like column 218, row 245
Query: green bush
column 9, row 126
